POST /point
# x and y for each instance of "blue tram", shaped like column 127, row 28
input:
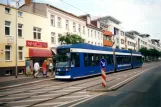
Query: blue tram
column 83, row 60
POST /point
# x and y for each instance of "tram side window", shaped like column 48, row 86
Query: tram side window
column 118, row 58
column 111, row 57
column 75, row 60
column 85, row 59
column 91, row 58
column 107, row 58
column 97, row 59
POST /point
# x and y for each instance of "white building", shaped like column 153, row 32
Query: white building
column 94, row 32
column 130, row 42
column 116, row 29
column 59, row 22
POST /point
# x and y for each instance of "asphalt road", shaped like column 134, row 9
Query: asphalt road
column 144, row 91
column 56, row 93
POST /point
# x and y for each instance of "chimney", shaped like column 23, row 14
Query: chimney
column 28, row 2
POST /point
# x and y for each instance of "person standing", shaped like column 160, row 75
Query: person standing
column 36, row 68
column 51, row 68
column 44, row 68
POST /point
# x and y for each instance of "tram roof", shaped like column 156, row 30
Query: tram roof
column 85, row 46
column 93, row 47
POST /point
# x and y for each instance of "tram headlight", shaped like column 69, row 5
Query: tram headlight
column 67, row 69
column 57, row 69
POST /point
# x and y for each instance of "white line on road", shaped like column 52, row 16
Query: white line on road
column 72, row 101
column 9, row 98
column 28, row 100
column 49, row 94
column 75, row 96
column 49, row 104
column 85, row 100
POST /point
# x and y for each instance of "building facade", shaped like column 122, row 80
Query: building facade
column 32, row 41
column 116, row 29
column 94, row 34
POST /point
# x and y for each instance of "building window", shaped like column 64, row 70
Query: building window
column 122, row 33
column 7, row 10
column 52, row 20
column 128, row 43
column 7, row 52
column 20, row 14
column 122, row 41
column 118, row 40
column 20, row 30
column 37, row 33
column 91, row 33
column 74, row 27
column 67, row 24
column 84, row 30
column 59, row 35
column 7, row 27
column 79, row 28
column 88, row 32
column 59, row 22
column 52, row 37
column 98, row 36
column 20, row 53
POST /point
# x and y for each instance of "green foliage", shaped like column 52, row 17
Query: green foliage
column 71, row 39
column 144, row 51
column 153, row 54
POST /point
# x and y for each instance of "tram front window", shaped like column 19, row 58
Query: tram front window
column 63, row 60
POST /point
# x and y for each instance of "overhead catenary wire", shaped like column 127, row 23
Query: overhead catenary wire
column 77, row 8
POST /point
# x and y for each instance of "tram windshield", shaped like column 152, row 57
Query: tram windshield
column 63, row 58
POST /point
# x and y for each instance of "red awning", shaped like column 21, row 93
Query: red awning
column 39, row 52
column 108, row 33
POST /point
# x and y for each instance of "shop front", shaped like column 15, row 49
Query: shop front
column 37, row 51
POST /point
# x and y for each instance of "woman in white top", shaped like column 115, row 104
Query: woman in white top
column 51, row 68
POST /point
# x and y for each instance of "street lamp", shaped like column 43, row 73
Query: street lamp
column 17, row 3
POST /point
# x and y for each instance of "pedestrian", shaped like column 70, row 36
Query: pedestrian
column 36, row 69
column 51, row 68
column 31, row 68
column 44, row 70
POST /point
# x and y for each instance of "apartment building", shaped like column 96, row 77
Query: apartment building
column 94, row 32
column 130, row 43
column 116, row 29
column 31, row 31
column 59, row 22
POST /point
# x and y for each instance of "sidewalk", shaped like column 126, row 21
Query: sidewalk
column 23, row 76
column 11, row 81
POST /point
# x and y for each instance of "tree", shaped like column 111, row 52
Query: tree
column 71, row 39
column 144, row 51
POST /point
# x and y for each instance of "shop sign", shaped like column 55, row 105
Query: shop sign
column 36, row 44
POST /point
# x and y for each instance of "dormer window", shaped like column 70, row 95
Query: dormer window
column 7, row 10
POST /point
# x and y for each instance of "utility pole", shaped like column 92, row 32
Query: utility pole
column 16, row 73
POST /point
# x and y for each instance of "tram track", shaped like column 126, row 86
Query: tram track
column 71, row 84
column 65, row 85
column 57, row 84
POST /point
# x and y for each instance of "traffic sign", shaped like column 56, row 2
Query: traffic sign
column 103, row 63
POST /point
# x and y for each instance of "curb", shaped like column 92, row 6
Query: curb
column 25, row 83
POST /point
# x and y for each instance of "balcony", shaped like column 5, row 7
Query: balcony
column 107, row 43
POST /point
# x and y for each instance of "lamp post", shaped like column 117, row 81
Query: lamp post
column 17, row 3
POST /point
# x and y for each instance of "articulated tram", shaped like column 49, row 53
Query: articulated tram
column 83, row 60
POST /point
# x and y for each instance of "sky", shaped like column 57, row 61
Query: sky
column 143, row 16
